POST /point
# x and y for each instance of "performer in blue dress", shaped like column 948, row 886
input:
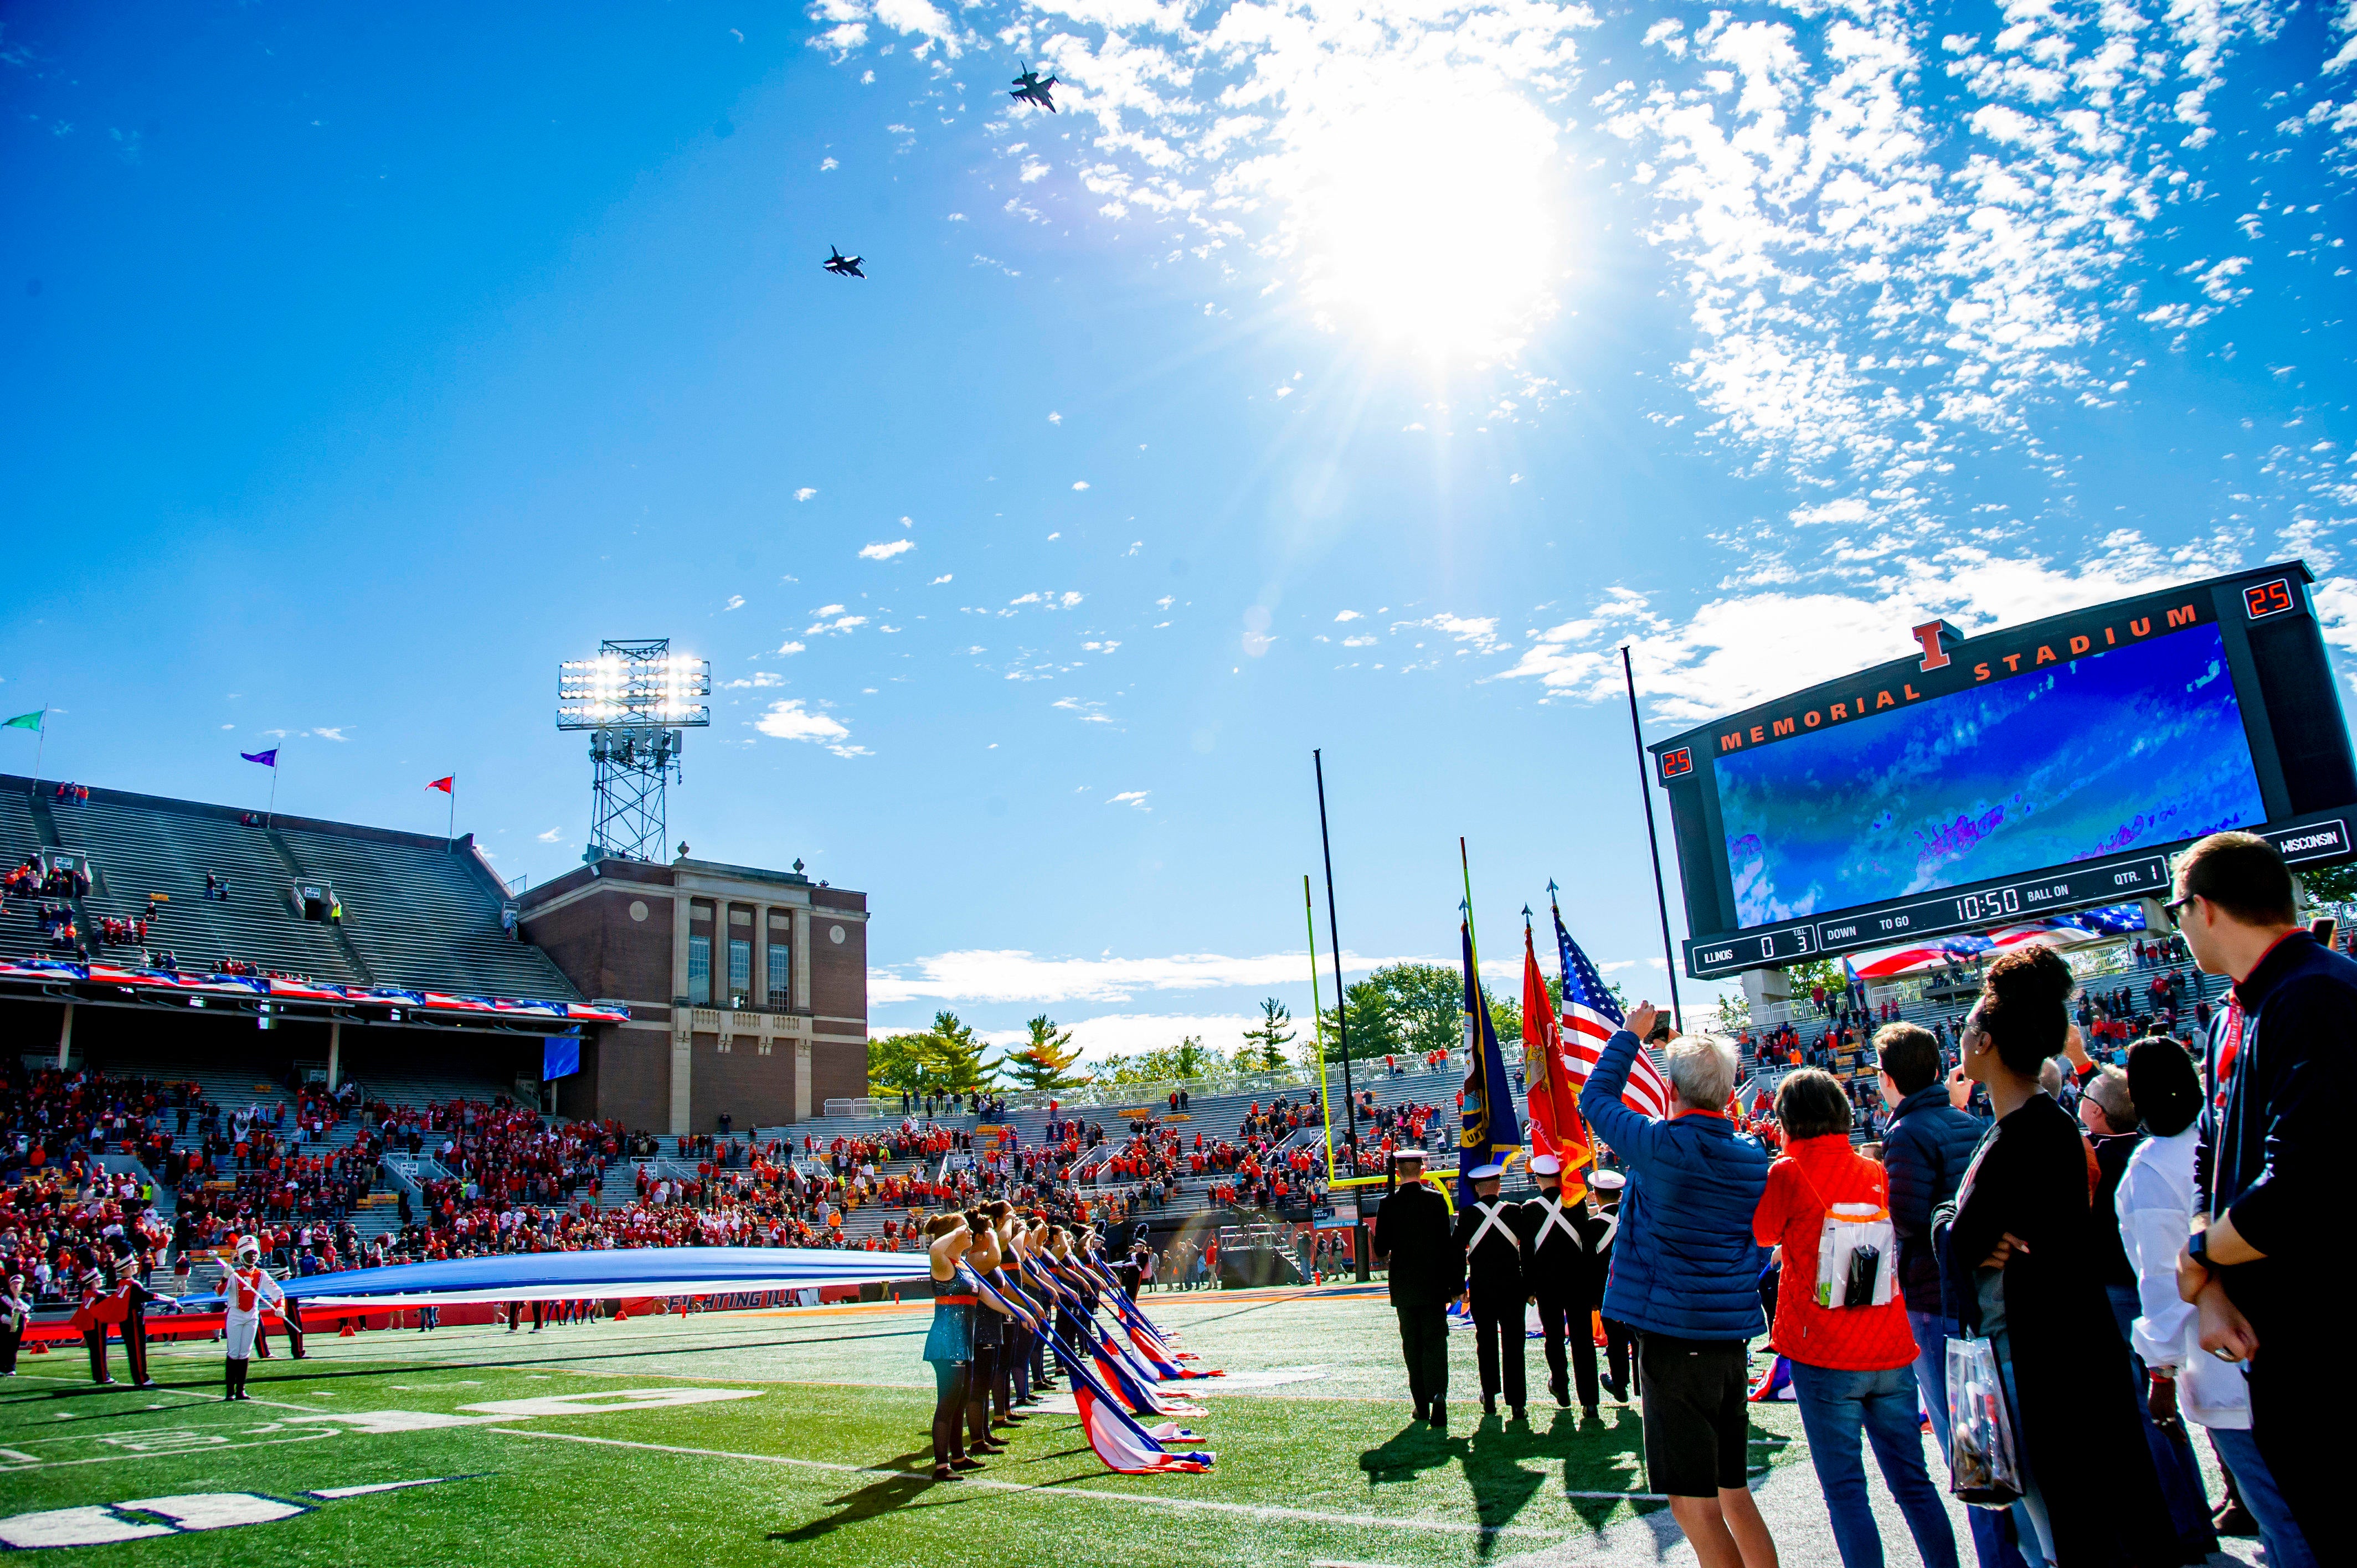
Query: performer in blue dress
column 950, row 1344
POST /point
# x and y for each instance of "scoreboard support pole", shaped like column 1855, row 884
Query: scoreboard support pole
column 1653, row 842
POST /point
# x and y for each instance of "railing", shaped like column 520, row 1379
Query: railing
column 1156, row 1095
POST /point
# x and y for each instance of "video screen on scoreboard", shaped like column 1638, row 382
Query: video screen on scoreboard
column 2140, row 744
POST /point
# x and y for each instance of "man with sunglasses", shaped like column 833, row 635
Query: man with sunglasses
column 2270, row 1275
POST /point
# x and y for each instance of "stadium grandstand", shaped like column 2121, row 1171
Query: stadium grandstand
column 347, row 1039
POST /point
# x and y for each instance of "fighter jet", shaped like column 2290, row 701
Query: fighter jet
column 1030, row 89
column 843, row 266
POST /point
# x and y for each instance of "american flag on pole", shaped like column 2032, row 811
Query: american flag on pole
column 1590, row 1017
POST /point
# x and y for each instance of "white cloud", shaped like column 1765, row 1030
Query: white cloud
column 790, row 720
column 1090, row 713
column 1745, row 647
column 758, row 679
column 805, row 493
column 980, row 975
column 1080, row 484
column 841, row 624
column 825, row 610
column 1132, row 797
column 329, row 732
column 735, row 602
column 790, row 648
column 939, row 581
column 1481, row 632
column 1345, row 615
column 1054, row 418
column 1358, row 642
column 884, row 550
column 551, row 836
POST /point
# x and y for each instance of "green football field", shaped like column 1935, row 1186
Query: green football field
column 800, row 1437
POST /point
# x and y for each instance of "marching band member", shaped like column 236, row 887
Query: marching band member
column 248, row 1286
column 949, row 1345
column 1495, row 1288
column 16, row 1312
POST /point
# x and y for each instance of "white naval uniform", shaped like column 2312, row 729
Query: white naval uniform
column 245, row 1290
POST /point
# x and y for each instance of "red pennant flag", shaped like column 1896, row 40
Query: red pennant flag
column 1556, row 1125
column 447, row 786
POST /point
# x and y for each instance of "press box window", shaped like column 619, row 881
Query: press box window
column 699, row 971
column 740, row 969
column 781, row 962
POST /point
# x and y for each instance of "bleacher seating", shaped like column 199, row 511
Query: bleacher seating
column 147, row 847
column 418, row 913
column 425, row 914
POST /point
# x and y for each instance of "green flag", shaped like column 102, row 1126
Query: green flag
column 31, row 721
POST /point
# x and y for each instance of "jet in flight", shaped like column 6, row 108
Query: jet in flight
column 1030, row 88
column 843, row 266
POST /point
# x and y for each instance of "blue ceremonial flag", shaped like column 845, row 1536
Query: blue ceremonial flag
column 1491, row 1131
column 560, row 1056
column 267, row 758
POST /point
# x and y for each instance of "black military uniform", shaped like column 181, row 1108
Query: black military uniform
column 1565, row 1280
column 1620, row 1340
column 1427, row 1273
column 1496, row 1292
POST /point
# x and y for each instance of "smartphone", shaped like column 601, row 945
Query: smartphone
column 2323, row 928
column 1661, row 1033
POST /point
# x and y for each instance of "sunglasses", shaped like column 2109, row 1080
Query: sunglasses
column 2171, row 908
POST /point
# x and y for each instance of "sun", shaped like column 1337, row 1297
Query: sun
column 1433, row 218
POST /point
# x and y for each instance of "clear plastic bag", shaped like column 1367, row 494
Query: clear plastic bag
column 1854, row 1252
column 1983, row 1460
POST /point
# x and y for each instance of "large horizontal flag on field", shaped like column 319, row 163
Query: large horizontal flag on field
column 2074, row 929
column 1591, row 1017
column 621, row 1271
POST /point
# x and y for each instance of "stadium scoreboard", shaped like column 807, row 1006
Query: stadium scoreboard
column 1991, row 780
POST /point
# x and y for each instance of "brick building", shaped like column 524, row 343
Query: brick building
column 748, row 991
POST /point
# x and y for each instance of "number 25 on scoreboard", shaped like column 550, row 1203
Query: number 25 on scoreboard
column 2272, row 598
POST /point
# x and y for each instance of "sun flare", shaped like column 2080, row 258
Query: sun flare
column 1432, row 220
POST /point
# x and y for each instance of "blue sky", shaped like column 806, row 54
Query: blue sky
column 1354, row 375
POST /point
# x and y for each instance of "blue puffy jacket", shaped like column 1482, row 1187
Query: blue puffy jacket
column 1684, row 1264
column 1928, row 1146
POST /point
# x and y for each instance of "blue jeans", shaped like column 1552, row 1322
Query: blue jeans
column 2172, row 1454
column 2287, row 1547
column 1993, row 1543
column 1835, row 1404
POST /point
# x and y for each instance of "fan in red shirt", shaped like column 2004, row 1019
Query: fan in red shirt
column 1852, row 1367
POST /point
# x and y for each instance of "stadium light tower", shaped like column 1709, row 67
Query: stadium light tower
column 634, row 699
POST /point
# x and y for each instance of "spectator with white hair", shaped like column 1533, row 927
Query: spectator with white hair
column 1685, row 1278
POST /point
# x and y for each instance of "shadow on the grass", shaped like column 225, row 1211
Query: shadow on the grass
column 877, row 1497
column 1575, row 1454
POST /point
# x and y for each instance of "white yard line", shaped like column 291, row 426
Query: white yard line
column 1207, row 1505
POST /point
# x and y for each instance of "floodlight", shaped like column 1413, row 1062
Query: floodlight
column 634, row 697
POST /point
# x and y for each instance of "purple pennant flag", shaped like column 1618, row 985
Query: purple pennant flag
column 267, row 758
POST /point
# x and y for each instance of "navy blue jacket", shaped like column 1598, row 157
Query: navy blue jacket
column 1926, row 1151
column 2278, row 1153
column 1685, row 1263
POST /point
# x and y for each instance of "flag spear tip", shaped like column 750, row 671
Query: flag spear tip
column 1550, row 883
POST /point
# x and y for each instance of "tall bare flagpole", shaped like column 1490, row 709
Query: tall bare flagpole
column 1653, row 842
column 1342, row 1028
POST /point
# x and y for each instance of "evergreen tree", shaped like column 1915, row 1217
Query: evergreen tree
column 1045, row 1060
column 1264, row 1047
column 957, row 1056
